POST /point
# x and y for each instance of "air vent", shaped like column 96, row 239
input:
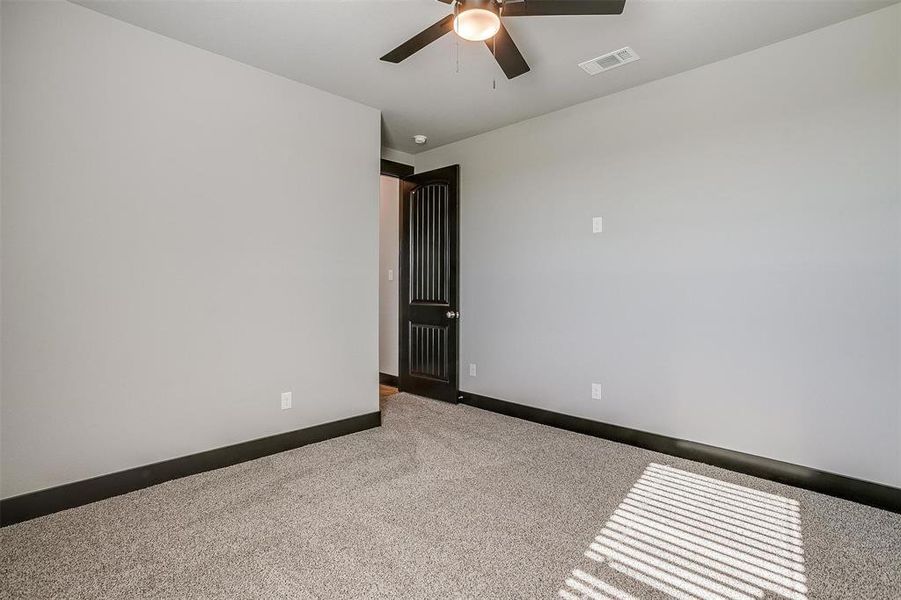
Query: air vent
column 611, row 60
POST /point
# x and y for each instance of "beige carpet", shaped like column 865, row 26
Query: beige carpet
column 451, row 501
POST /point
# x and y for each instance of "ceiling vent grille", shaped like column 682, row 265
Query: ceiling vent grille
column 611, row 60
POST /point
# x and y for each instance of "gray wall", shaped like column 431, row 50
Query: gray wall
column 183, row 238
column 745, row 290
column 389, row 240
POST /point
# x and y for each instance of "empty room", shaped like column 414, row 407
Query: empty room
column 490, row 299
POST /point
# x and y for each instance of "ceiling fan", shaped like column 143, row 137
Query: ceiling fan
column 480, row 20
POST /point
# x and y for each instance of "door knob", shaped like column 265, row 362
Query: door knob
column 452, row 314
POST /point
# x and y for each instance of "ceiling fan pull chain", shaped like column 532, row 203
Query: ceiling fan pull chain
column 494, row 52
column 500, row 13
column 456, row 6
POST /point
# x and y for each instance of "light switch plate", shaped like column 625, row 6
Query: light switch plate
column 597, row 225
column 596, row 391
column 472, row 369
column 390, row 274
column 286, row 400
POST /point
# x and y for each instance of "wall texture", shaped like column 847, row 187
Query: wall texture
column 746, row 290
column 389, row 241
column 183, row 238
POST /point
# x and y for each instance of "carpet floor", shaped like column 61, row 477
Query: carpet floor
column 452, row 501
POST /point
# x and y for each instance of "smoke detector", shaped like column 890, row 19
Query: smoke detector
column 608, row 61
column 420, row 139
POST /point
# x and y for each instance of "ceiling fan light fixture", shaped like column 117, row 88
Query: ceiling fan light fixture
column 476, row 21
column 480, row 20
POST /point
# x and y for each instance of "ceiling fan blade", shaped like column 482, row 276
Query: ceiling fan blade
column 507, row 54
column 420, row 40
column 536, row 8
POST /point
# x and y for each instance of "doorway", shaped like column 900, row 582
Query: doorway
column 389, row 255
column 419, row 283
column 429, row 284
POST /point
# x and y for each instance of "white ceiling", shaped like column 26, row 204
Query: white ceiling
column 335, row 45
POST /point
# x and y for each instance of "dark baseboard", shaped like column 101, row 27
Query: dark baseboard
column 848, row 488
column 386, row 379
column 395, row 169
column 70, row 495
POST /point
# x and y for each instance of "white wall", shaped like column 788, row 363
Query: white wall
column 745, row 291
column 389, row 240
column 184, row 237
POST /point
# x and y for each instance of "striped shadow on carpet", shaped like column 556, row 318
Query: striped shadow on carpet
column 692, row 537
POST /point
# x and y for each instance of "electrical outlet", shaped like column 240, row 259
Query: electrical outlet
column 286, row 400
column 390, row 274
column 595, row 391
column 472, row 369
column 597, row 225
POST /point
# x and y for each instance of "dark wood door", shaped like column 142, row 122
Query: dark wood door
column 429, row 250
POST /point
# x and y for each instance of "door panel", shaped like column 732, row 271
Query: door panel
column 428, row 264
column 428, row 239
column 429, row 343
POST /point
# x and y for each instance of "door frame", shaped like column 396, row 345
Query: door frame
column 395, row 170
column 389, row 168
column 453, row 285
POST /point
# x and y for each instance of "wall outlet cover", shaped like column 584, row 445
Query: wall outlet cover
column 472, row 369
column 597, row 225
column 596, row 391
column 286, row 400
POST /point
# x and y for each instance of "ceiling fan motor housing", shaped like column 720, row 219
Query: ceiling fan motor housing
column 463, row 5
